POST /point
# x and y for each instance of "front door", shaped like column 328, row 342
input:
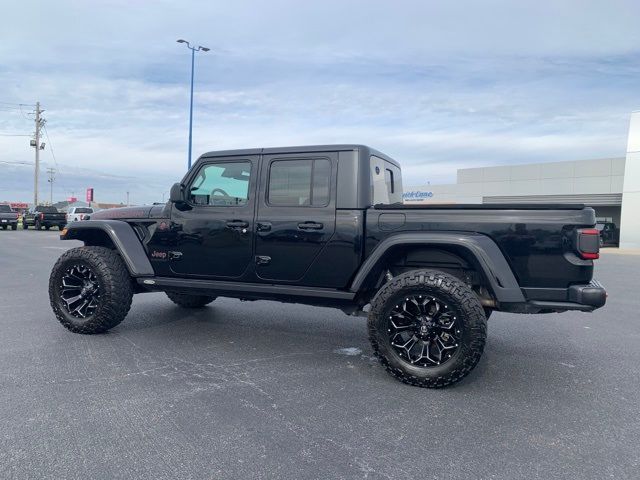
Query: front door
column 296, row 214
column 214, row 231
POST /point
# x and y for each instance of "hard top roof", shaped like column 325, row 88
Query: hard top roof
column 298, row 149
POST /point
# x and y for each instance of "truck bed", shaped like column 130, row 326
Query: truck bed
column 481, row 206
column 536, row 239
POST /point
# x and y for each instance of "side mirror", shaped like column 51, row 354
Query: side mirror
column 176, row 195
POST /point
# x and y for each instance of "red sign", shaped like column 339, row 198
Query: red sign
column 19, row 205
column 89, row 194
column 72, row 199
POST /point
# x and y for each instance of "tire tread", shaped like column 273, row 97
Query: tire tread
column 476, row 324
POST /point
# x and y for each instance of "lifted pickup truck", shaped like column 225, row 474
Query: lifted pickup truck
column 44, row 216
column 324, row 225
column 8, row 218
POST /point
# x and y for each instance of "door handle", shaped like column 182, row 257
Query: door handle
column 263, row 226
column 237, row 224
column 310, row 226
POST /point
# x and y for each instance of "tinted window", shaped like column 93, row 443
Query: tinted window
column 5, row 209
column 44, row 209
column 299, row 183
column 222, row 184
column 83, row 210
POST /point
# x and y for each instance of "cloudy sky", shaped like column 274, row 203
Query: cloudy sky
column 439, row 85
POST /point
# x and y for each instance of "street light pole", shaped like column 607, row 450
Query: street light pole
column 193, row 61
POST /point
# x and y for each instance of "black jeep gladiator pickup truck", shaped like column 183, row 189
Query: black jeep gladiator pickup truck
column 324, row 225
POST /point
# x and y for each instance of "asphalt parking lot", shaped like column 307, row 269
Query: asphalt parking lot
column 264, row 390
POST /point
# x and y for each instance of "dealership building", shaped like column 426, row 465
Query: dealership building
column 610, row 185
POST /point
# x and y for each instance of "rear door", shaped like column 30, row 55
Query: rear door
column 296, row 214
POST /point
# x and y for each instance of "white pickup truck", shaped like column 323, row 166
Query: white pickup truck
column 75, row 214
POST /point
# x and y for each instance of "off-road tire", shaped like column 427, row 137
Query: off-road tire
column 114, row 285
column 4, row 227
column 14, row 227
column 456, row 294
column 47, row 227
column 189, row 301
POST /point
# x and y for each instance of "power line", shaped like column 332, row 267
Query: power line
column 14, row 135
column 15, row 163
column 46, row 132
column 60, row 180
column 19, row 104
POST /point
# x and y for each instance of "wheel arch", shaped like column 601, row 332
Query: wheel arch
column 114, row 234
column 470, row 249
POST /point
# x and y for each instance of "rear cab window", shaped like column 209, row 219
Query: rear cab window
column 5, row 209
column 386, row 182
column 44, row 209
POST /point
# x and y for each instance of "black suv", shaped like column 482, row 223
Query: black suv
column 325, row 225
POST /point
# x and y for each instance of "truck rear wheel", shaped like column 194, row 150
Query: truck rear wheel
column 90, row 289
column 427, row 328
column 190, row 301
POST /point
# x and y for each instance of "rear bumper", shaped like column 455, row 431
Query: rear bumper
column 593, row 295
column 584, row 298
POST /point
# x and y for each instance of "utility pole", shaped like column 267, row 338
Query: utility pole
column 127, row 199
column 51, row 172
column 36, row 145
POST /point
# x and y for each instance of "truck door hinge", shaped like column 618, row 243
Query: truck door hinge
column 263, row 260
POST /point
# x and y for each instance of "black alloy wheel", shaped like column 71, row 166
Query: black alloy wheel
column 79, row 291
column 424, row 330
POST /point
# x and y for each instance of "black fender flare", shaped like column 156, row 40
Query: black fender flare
column 124, row 238
column 488, row 255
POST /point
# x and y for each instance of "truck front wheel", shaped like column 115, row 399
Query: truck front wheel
column 427, row 328
column 190, row 301
column 90, row 289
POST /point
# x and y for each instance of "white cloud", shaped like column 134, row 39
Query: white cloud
column 438, row 85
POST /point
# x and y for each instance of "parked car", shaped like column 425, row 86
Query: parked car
column 44, row 216
column 8, row 218
column 609, row 233
column 75, row 214
column 326, row 226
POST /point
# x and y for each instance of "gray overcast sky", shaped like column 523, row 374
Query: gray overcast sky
column 439, row 85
